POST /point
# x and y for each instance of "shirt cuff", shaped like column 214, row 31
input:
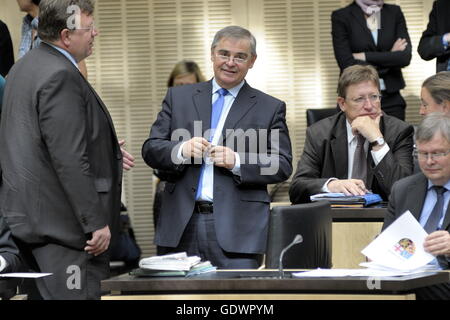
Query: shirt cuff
column 444, row 42
column 3, row 264
column 377, row 156
column 237, row 165
column 180, row 157
column 325, row 186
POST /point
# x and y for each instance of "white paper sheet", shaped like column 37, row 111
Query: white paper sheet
column 400, row 246
column 332, row 273
column 24, row 275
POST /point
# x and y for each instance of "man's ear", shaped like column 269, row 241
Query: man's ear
column 252, row 60
column 341, row 103
column 65, row 37
column 447, row 107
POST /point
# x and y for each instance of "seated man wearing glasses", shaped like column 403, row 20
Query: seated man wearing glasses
column 426, row 194
column 357, row 150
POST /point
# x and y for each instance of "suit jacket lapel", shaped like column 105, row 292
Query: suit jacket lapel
column 244, row 101
column 416, row 193
column 385, row 25
column 202, row 102
column 339, row 147
column 103, row 107
column 360, row 18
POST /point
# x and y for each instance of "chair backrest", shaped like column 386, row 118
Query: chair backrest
column 313, row 222
column 314, row 115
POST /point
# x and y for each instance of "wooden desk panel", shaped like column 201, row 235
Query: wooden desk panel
column 349, row 238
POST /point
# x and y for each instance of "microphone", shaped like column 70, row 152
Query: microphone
column 298, row 239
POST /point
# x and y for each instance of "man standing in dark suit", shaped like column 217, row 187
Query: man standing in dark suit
column 375, row 33
column 426, row 195
column 61, row 161
column 218, row 209
column 435, row 40
column 356, row 150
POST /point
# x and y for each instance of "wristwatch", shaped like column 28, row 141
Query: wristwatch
column 378, row 142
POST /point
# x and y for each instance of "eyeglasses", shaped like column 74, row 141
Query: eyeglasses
column 236, row 59
column 433, row 155
column 91, row 28
column 362, row 100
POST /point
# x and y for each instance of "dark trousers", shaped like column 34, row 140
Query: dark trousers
column 393, row 104
column 199, row 239
column 76, row 275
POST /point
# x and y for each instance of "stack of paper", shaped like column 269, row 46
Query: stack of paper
column 177, row 264
column 173, row 262
column 333, row 273
column 397, row 251
column 341, row 200
column 399, row 247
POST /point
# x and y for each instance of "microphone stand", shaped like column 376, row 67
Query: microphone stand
column 298, row 239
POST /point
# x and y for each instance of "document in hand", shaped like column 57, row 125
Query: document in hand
column 399, row 247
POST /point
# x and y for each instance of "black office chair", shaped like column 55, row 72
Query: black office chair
column 313, row 222
column 314, row 115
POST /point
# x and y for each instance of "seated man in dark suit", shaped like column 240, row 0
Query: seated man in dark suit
column 9, row 254
column 356, row 150
column 426, row 194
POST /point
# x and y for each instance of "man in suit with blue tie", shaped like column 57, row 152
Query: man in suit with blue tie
column 218, row 208
column 427, row 194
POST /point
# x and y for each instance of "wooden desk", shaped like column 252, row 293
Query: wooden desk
column 252, row 284
column 353, row 229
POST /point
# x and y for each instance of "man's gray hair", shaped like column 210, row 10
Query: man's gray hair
column 433, row 123
column 57, row 15
column 235, row 32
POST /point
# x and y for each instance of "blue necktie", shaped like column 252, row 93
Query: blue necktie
column 215, row 116
column 435, row 216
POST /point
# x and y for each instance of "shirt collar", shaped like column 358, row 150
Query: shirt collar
column 35, row 23
column 430, row 184
column 233, row 91
column 65, row 53
column 350, row 135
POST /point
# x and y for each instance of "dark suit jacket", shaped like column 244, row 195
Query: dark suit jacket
column 8, row 249
column 241, row 204
column 61, row 162
column 6, row 50
column 325, row 155
column 351, row 35
column 409, row 194
column 430, row 45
